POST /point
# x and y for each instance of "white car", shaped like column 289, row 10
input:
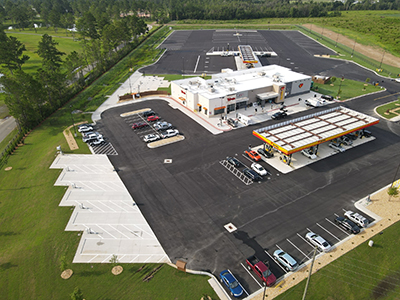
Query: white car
column 169, row 133
column 309, row 154
column 91, row 137
column 151, row 138
column 259, row 169
column 336, row 147
column 97, row 142
column 85, row 128
column 318, row 241
column 357, row 218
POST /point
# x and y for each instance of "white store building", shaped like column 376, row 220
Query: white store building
column 231, row 90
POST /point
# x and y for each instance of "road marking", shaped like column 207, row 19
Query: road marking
column 337, row 215
column 338, row 227
column 386, row 96
column 329, row 232
column 278, row 247
column 251, row 275
column 195, row 68
column 106, row 231
column 297, row 248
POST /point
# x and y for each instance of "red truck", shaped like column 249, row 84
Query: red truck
column 262, row 271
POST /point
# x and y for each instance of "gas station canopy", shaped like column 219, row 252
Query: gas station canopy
column 304, row 132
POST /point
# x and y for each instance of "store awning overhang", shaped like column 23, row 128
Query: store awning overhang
column 295, row 135
column 267, row 96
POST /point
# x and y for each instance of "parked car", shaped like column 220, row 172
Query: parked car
column 151, row 138
column 162, row 125
column 139, row 125
column 97, row 141
column 288, row 262
column 336, row 147
column 346, row 140
column 169, row 133
column 347, row 225
column 252, row 175
column 327, row 97
column 259, row 169
column 352, row 135
column 91, row 136
column 148, row 113
column 279, row 115
column 357, row 218
column 366, row 133
column 253, row 155
column 85, row 128
column 318, row 241
column 309, row 154
column 231, row 283
column 233, row 161
column 265, row 153
column 262, row 270
column 153, row 118
column 232, row 122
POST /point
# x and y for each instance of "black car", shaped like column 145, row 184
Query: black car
column 347, row 225
column 148, row 113
column 252, row 175
column 279, row 115
column 233, row 161
column 267, row 154
column 327, row 97
column 366, row 133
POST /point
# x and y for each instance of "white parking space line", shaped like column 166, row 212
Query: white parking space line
column 278, row 247
column 108, row 207
column 297, row 248
column 309, row 230
column 251, row 275
column 336, row 226
column 197, row 63
column 92, row 258
column 106, row 231
column 107, row 259
column 120, row 232
column 276, row 262
column 329, row 232
column 95, row 206
column 336, row 215
column 134, row 258
column 239, row 282
column 119, row 206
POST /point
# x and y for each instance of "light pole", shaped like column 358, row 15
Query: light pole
column 309, row 274
column 337, row 38
column 352, row 52
column 340, row 85
column 383, row 55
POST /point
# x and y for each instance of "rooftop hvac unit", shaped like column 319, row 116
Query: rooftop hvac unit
column 231, row 88
column 211, row 89
column 261, row 73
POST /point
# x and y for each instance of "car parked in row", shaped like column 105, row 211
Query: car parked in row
column 308, row 153
column 253, row 155
column 139, row 125
column 259, row 169
column 336, row 147
column 97, row 141
column 318, row 241
column 231, row 283
column 169, row 133
column 91, row 136
column 347, row 225
column 148, row 113
column 265, row 153
column 162, row 126
column 85, row 128
column 288, row 262
column 233, row 161
column 151, row 138
column 251, row 174
column 153, row 118
column 357, row 218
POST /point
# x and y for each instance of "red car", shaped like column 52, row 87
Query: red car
column 139, row 125
column 152, row 118
column 253, row 155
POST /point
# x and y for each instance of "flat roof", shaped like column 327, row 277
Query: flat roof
column 307, row 131
column 232, row 82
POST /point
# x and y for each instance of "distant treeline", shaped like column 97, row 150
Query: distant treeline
column 63, row 13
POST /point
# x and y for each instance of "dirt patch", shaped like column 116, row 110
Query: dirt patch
column 385, row 286
column 66, row 274
column 373, row 52
column 117, row 270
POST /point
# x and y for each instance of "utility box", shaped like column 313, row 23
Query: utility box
column 181, row 265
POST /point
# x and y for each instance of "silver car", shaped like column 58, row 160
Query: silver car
column 288, row 262
column 318, row 241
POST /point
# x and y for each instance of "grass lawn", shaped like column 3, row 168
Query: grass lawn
column 349, row 88
column 383, row 110
column 363, row 273
column 31, row 40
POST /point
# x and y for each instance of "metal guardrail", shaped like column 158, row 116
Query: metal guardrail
column 236, row 172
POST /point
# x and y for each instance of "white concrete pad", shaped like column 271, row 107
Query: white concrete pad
column 110, row 221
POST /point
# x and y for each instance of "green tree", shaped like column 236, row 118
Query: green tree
column 87, row 26
column 11, row 52
column 77, row 294
column 49, row 53
column 74, row 63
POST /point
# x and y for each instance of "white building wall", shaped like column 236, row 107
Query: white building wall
column 301, row 86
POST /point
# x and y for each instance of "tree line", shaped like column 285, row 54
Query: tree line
column 64, row 13
column 31, row 97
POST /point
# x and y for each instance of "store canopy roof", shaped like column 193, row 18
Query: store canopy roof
column 301, row 133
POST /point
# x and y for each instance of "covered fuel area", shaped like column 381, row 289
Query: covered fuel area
column 337, row 125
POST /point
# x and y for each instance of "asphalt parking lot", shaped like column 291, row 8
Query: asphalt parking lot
column 188, row 201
